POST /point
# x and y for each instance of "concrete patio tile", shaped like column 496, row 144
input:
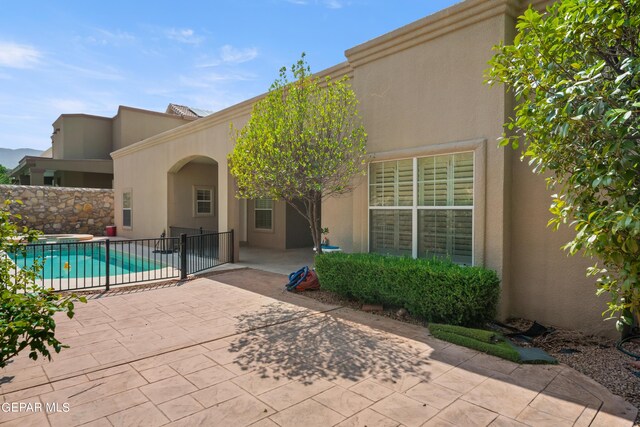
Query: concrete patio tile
column 214, row 345
column 96, row 390
column 368, row 418
column 433, row 394
column 210, row 376
column 192, row 364
column 558, row 406
column 166, row 358
column 101, row 422
column 158, row 373
column 453, row 355
column 102, row 373
column 343, row 401
column 218, row 393
column 181, row 407
column 486, row 362
column 439, row 422
column 399, row 381
column 63, row 367
column 534, row 417
column 19, row 415
column 308, row 414
column 167, row 389
column 467, row 414
column 265, row 422
column 261, row 381
column 586, row 418
column 371, row 390
column 293, row 393
column 70, row 382
column 405, row 410
column 145, row 415
column 534, row 377
column 34, row 420
column 239, row 411
column 94, row 410
column 18, row 396
column 116, row 354
column 500, row 395
column 460, row 380
column 503, row 421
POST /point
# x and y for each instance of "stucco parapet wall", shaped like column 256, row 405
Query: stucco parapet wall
column 440, row 23
column 56, row 210
column 222, row 116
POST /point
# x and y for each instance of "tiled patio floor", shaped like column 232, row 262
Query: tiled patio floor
column 212, row 354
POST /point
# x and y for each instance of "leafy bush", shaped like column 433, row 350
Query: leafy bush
column 26, row 309
column 436, row 290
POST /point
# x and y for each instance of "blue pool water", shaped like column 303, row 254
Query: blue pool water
column 82, row 261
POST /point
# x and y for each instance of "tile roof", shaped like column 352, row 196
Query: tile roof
column 183, row 110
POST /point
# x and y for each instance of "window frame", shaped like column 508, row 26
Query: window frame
column 130, row 208
column 197, row 202
column 415, row 207
column 255, row 216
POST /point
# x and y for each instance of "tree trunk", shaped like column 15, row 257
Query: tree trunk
column 314, row 220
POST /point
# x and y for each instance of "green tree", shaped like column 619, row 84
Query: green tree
column 575, row 74
column 4, row 175
column 26, row 309
column 303, row 144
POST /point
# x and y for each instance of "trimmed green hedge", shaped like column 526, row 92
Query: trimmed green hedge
column 436, row 290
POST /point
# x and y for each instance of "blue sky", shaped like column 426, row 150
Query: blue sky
column 89, row 57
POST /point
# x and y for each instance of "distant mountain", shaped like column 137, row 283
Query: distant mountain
column 10, row 158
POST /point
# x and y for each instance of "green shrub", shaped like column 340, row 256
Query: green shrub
column 436, row 290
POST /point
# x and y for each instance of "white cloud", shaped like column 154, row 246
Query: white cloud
column 231, row 55
column 14, row 55
column 186, row 35
column 333, row 4
column 105, row 37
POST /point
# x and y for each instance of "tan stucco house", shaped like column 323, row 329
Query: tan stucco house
column 437, row 183
column 81, row 145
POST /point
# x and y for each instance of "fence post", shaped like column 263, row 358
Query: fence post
column 233, row 248
column 108, row 261
column 183, row 256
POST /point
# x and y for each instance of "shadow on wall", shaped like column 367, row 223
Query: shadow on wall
column 298, row 344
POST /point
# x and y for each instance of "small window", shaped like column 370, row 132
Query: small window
column 264, row 214
column 127, row 204
column 203, row 201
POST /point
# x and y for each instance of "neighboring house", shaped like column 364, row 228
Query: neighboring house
column 81, row 145
column 437, row 182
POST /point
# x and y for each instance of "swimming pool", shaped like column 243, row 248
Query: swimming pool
column 85, row 260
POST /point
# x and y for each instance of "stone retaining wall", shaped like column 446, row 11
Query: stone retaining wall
column 56, row 210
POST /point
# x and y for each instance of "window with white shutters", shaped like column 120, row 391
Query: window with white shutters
column 423, row 207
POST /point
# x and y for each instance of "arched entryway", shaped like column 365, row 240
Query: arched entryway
column 192, row 195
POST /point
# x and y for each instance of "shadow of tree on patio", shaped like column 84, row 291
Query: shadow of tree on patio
column 280, row 341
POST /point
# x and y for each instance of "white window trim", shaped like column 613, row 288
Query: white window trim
column 478, row 147
column 195, row 200
column 130, row 208
column 272, row 209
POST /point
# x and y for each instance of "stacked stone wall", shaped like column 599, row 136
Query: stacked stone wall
column 61, row 210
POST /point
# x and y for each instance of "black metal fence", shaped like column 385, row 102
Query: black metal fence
column 102, row 263
column 177, row 231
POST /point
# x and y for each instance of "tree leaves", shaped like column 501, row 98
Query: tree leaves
column 304, row 142
column 575, row 73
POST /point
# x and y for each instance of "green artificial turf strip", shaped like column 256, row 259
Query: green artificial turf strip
column 488, row 337
column 500, row 349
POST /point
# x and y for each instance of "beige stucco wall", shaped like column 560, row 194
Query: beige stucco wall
column 275, row 238
column 132, row 125
column 181, row 196
column 81, row 136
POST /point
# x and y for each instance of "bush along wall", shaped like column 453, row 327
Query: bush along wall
column 433, row 289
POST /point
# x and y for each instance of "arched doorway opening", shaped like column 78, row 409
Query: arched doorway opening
column 192, row 186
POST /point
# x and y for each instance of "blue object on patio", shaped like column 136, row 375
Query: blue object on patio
column 297, row 277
